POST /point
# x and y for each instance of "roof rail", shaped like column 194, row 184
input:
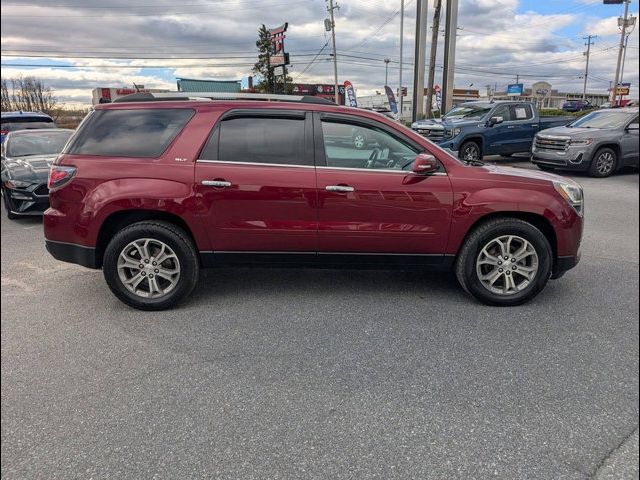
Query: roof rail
column 174, row 96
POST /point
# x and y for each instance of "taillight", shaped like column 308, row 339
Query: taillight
column 59, row 175
column 4, row 132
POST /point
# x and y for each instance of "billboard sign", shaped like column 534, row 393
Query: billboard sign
column 515, row 89
column 623, row 89
column 351, row 94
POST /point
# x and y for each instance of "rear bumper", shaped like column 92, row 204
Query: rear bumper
column 73, row 253
column 564, row 264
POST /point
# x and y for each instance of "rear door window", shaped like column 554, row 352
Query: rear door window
column 259, row 139
column 26, row 123
column 130, row 133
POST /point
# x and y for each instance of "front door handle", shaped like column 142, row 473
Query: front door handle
column 216, row 183
column 339, row 188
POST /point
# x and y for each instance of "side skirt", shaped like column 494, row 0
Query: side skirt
column 373, row 261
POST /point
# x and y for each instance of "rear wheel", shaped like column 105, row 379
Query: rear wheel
column 604, row 163
column 504, row 262
column 470, row 151
column 151, row 265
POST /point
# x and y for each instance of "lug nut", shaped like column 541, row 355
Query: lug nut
column 513, row 259
column 146, row 260
column 514, row 267
column 506, row 258
column 155, row 270
column 141, row 265
column 499, row 263
column 151, row 275
column 500, row 270
column 154, row 263
column 142, row 273
column 508, row 272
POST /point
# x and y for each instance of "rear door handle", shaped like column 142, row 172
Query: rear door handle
column 339, row 188
column 216, row 183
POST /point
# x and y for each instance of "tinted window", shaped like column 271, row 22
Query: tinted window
column 22, row 123
column 260, row 140
column 356, row 146
column 129, row 133
column 41, row 143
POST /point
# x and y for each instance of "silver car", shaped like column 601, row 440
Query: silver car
column 600, row 143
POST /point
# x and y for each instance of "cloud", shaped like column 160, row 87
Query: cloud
column 495, row 43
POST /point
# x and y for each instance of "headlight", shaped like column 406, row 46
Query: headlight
column 581, row 141
column 572, row 193
column 414, row 126
column 453, row 132
column 16, row 184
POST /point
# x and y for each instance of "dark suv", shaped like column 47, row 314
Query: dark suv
column 156, row 187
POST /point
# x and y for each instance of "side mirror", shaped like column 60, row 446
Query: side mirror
column 424, row 164
column 633, row 126
column 494, row 121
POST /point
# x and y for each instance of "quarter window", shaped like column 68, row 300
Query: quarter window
column 145, row 132
column 259, row 140
column 357, row 146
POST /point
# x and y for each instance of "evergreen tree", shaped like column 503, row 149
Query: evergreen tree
column 270, row 81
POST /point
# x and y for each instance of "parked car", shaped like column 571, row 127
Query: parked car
column 475, row 129
column 151, row 191
column 27, row 156
column 576, row 105
column 24, row 120
column 607, row 105
column 601, row 143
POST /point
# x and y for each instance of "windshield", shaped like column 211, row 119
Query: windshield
column 41, row 143
column 602, row 120
column 467, row 111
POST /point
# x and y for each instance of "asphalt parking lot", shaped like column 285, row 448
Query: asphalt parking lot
column 325, row 374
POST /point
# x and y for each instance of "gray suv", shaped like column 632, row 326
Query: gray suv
column 601, row 143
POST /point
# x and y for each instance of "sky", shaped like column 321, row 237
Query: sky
column 74, row 46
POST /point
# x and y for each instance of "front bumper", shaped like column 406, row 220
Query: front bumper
column 73, row 253
column 564, row 264
column 570, row 159
column 32, row 200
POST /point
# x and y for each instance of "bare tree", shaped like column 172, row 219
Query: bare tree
column 27, row 94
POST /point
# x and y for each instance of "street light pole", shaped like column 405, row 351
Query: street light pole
column 586, row 68
column 419, row 60
column 386, row 71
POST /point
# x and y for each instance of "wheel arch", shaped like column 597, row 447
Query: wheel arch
column 473, row 138
column 120, row 219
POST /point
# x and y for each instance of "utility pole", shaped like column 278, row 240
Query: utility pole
column 451, row 27
column 517, row 78
column 331, row 8
column 401, row 42
column 386, row 71
column 632, row 23
column 620, row 49
column 432, row 62
column 586, row 68
column 418, row 68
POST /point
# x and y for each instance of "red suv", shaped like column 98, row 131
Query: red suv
column 154, row 188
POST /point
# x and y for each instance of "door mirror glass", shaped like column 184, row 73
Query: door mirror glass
column 495, row 120
column 424, row 163
column 633, row 126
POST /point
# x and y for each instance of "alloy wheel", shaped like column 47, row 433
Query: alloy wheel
column 148, row 268
column 605, row 163
column 470, row 153
column 507, row 265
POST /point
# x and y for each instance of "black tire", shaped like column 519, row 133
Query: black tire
column 604, row 163
column 466, row 270
column 470, row 150
column 173, row 237
column 7, row 208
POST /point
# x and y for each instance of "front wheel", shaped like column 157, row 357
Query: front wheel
column 604, row 163
column 151, row 265
column 504, row 262
column 470, row 151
